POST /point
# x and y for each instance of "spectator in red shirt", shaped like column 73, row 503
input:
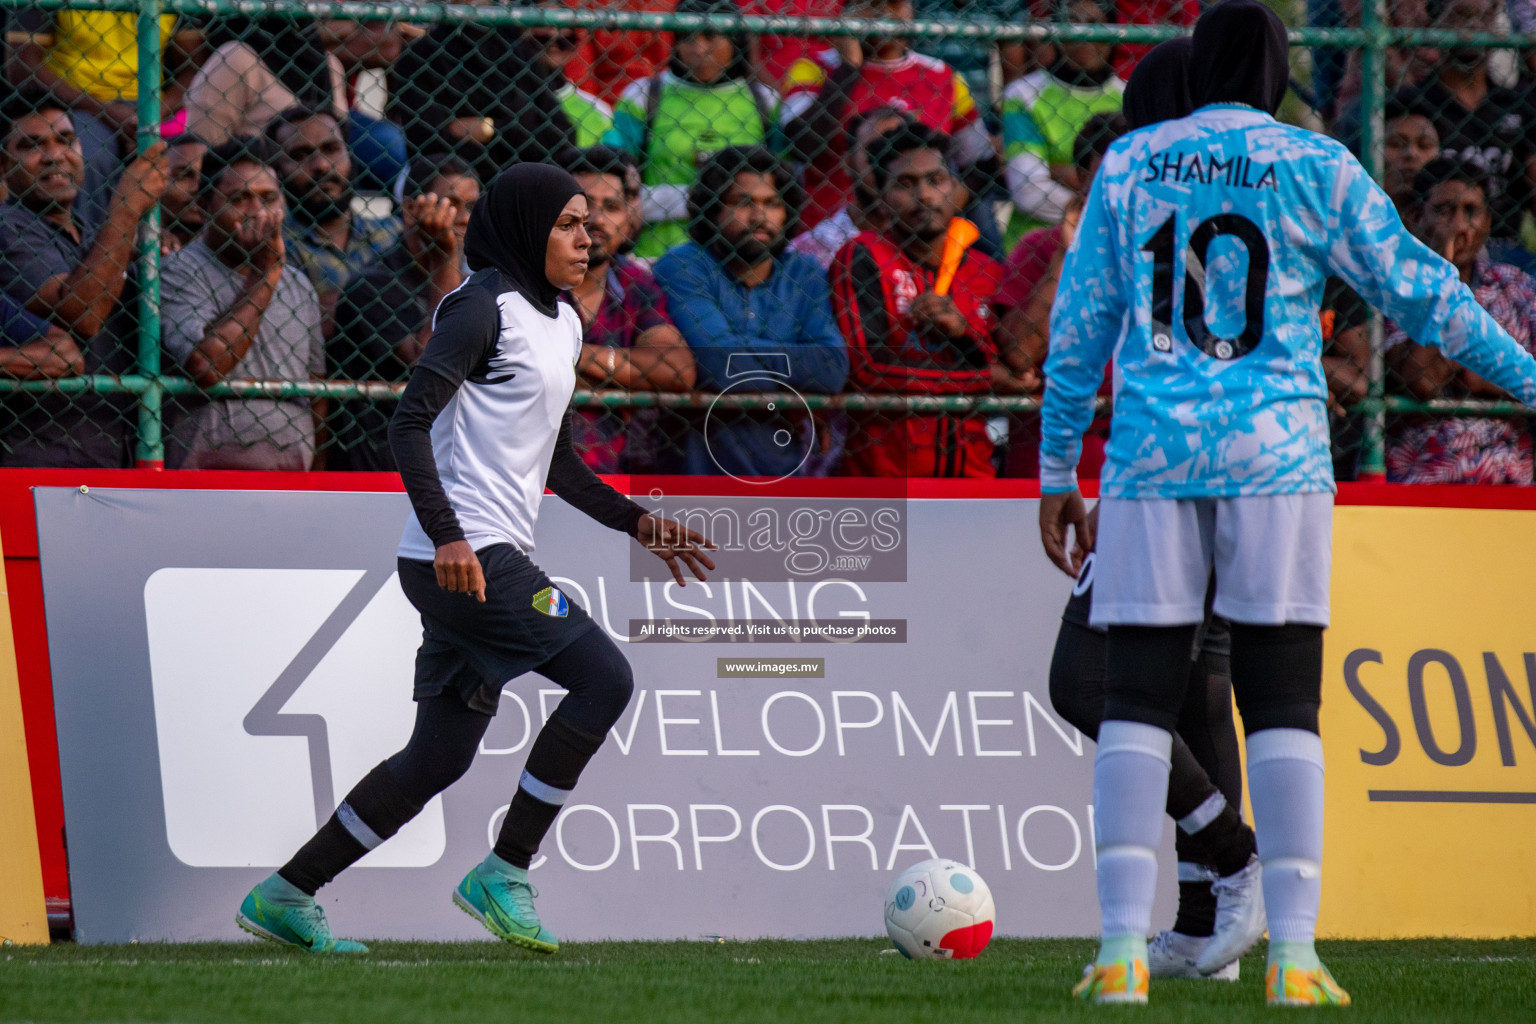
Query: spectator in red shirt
column 824, row 94
column 608, row 60
column 905, row 338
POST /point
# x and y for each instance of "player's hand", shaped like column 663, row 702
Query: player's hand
column 673, row 543
column 458, row 570
column 1057, row 512
column 931, row 309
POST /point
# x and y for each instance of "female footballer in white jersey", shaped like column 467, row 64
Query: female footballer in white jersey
column 482, row 427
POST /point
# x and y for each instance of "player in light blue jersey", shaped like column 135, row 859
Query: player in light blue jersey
column 1198, row 267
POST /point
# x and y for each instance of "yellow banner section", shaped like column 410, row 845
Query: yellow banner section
column 23, row 915
column 1429, row 724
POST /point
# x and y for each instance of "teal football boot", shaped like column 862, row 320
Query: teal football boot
column 498, row 896
column 278, row 912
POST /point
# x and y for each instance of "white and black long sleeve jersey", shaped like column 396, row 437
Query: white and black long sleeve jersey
column 484, row 424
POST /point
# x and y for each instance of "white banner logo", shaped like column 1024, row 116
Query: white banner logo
column 276, row 690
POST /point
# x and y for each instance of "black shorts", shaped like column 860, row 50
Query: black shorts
column 473, row 648
column 1080, row 605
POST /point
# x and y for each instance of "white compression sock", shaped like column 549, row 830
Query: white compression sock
column 1285, row 781
column 1130, row 789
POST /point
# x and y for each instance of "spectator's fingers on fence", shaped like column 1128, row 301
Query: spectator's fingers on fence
column 144, row 180
column 410, row 211
column 65, row 352
column 437, row 217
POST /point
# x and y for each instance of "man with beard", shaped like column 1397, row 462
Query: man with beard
column 231, row 306
column 69, row 269
column 328, row 240
column 903, row 336
column 1480, row 121
column 628, row 340
column 757, row 318
column 181, row 215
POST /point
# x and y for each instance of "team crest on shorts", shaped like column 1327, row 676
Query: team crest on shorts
column 551, row 602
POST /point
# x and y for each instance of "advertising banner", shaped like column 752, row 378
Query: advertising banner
column 226, row 665
column 23, row 913
column 1429, row 723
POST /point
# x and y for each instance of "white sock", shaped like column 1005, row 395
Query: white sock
column 1285, row 781
column 1130, row 791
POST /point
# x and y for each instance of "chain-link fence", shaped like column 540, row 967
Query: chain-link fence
column 228, row 223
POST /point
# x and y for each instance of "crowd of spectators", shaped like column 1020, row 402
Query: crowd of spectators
column 767, row 214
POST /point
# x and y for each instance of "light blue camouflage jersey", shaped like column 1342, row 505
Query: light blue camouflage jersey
column 1198, row 266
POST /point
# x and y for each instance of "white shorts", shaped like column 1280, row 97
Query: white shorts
column 1272, row 555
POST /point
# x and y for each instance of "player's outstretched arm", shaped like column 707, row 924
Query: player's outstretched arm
column 1419, row 289
column 573, row 480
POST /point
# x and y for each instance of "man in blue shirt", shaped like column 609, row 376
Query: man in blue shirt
column 1199, row 266
column 757, row 318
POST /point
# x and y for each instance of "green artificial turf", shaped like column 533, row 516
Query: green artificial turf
column 849, row 980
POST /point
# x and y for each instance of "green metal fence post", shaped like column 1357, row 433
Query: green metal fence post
column 150, row 452
column 1373, row 102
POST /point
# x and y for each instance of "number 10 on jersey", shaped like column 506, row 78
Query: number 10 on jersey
column 1161, row 246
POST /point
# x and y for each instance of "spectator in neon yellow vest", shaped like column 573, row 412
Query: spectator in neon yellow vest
column 705, row 100
column 590, row 117
column 1044, row 111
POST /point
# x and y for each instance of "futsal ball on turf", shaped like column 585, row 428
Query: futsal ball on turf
column 939, row 910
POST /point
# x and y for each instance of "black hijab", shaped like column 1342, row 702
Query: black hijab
column 510, row 225
column 1239, row 56
column 1159, row 86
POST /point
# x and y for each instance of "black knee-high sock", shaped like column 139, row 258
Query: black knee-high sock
column 1228, row 842
column 1197, row 909
column 1224, row 846
column 441, row 749
column 554, row 764
column 373, row 811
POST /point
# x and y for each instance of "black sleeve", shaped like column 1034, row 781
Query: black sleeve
column 574, row 481
column 821, row 125
column 468, row 322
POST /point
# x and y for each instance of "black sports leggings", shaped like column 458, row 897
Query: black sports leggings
column 1205, row 752
column 447, row 733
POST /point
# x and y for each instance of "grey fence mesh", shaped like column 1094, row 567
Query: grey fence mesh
column 762, row 301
